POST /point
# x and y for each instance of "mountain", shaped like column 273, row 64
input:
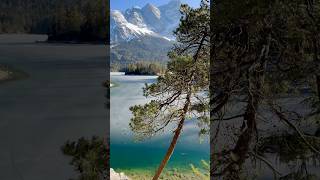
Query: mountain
column 143, row 33
column 122, row 30
column 142, row 49
column 159, row 22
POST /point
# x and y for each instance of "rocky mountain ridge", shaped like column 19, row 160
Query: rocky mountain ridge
column 136, row 22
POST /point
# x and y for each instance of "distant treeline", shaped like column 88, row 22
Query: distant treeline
column 142, row 68
column 146, row 48
column 61, row 20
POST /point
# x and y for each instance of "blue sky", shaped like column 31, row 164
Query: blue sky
column 125, row 4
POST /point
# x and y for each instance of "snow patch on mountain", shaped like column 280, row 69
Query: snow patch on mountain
column 123, row 30
column 136, row 22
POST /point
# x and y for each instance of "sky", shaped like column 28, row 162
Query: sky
column 125, row 4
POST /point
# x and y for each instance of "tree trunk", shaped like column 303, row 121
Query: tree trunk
column 318, row 87
column 242, row 147
column 174, row 139
column 256, row 77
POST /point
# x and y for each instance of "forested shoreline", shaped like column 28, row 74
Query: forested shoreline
column 61, row 20
column 140, row 68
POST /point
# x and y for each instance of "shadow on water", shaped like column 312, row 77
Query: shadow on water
column 291, row 150
column 282, row 154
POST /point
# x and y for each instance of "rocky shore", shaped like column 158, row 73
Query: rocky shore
column 146, row 174
column 117, row 176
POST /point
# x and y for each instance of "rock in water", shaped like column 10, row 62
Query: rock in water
column 117, row 176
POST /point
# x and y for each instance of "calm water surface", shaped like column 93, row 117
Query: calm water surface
column 126, row 153
column 61, row 100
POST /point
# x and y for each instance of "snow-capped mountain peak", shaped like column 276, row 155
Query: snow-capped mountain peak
column 149, row 20
column 118, row 17
column 122, row 30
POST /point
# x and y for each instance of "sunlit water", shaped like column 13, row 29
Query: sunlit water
column 126, row 153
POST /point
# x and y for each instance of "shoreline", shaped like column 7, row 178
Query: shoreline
column 168, row 174
column 43, row 39
column 118, row 73
column 72, row 42
column 9, row 74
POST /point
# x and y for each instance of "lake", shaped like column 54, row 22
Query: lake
column 63, row 99
column 126, row 153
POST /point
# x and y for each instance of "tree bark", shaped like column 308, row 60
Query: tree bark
column 174, row 139
column 242, row 146
column 256, row 77
column 318, row 87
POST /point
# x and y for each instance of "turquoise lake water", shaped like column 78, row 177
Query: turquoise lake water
column 126, row 153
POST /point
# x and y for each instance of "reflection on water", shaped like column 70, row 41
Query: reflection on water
column 277, row 149
column 62, row 99
column 126, row 153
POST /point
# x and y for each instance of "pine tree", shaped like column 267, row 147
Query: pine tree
column 259, row 49
column 181, row 92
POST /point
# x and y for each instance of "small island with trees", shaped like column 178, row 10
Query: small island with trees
column 143, row 68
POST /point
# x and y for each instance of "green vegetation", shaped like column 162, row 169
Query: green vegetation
column 292, row 149
column 71, row 20
column 180, row 93
column 80, row 20
column 260, row 49
column 204, row 175
column 143, row 68
column 155, row 49
column 89, row 157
